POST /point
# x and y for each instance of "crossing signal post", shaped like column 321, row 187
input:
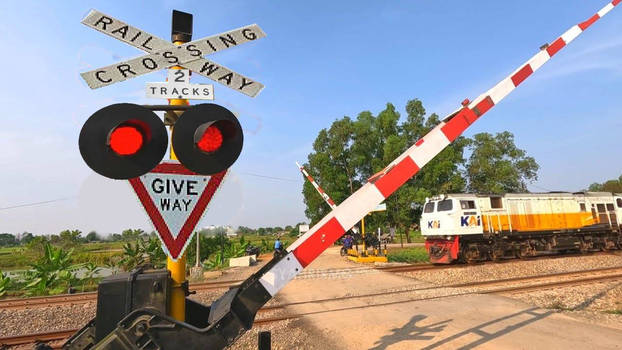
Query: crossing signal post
column 127, row 141
column 181, row 32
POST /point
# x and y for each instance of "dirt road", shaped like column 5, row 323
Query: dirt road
column 404, row 321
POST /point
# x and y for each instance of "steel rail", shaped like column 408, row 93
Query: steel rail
column 60, row 335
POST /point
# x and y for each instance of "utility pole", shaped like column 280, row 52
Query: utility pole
column 198, row 247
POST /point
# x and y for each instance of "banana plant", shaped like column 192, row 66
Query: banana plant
column 52, row 273
column 133, row 256
column 90, row 270
column 5, row 282
column 153, row 249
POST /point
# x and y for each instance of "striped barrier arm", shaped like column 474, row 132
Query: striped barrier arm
column 324, row 195
column 322, row 235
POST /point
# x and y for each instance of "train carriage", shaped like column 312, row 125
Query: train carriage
column 470, row 227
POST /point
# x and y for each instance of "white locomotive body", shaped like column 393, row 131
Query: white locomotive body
column 471, row 227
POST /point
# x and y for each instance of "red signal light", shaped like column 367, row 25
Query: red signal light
column 207, row 138
column 211, row 140
column 126, row 140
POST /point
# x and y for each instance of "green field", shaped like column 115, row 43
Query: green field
column 20, row 257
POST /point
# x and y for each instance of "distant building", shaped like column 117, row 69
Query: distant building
column 213, row 230
column 230, row 232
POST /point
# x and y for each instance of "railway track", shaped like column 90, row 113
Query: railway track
column 501, row 286
column 36, row 337
column 81, row 298
column 427, row 266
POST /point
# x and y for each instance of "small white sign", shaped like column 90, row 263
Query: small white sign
column 303, row 228
column 176, row 76
column 180, row 90
column 381, row 207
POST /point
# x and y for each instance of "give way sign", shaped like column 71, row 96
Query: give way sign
column 175, row 199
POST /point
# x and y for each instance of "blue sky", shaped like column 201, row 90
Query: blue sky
column 320, row 61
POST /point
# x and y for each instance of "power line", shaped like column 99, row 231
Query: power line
column 542, row 188
column 270, row 177
column 38, row 203
column 68, row 198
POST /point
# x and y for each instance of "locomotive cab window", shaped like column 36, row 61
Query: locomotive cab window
column 496, row 203
column 582, row 207
column 445, row 205
column 429, row 207
column 600, row 208
column 610, row 207
column 467, row 204
column 619, row 201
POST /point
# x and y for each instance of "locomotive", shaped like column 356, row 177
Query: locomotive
column 472, row 227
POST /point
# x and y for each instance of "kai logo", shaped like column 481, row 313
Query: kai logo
column 470, row 220
column 434, row 224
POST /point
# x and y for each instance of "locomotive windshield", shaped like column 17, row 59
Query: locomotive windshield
column 429, row 207
column 445, row 205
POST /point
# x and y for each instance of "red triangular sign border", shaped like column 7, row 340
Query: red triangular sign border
column 176, row 246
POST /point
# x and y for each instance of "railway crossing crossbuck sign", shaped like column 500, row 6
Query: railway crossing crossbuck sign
column 175, row 199
column 163, row 54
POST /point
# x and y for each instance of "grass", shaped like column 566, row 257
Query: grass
column 415, row 237
column 614, row 312
column 15, row 258
column 408, row 255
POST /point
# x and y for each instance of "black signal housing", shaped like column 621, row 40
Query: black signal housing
column 189, row 130
column 95, row 141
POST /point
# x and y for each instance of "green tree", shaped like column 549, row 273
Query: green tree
column 131, row 235
column 115, row 237
column 207, row 246
column 7, row 239
column 92, row 237
column 70, row 238
column 614, row 185
column 26, row 237
column 497, row 166
column 245, row 230
column 333, row 167
column 37, row 245
column 442, row 174
column 342, row 162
